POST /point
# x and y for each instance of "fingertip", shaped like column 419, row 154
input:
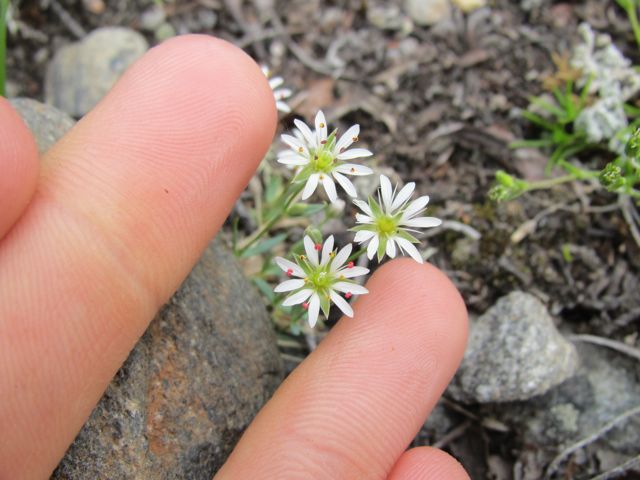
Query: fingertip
column 422, row 299
column 426, row 463
column 18, row 166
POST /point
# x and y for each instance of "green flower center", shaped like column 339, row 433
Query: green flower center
column 386, row 225
column 323, row 161
column 320, row 280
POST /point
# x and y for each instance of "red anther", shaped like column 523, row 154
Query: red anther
column 305, row 305
column 318, row 247
column 348, row 295
column 323, row 142
column 350, row 265
column 289, row 272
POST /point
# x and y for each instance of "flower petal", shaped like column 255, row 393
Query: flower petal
column 282, row 107
column 422, row 222
column 415, row 207
column 354, row 153
column 387, row 191
column 311, row 185
column 292, row 160
column 341, row 257
column 352, row 272
column 321, row 127
column 409, row 248
column 295, row 143
column 275, row 82
column 391, row 248
column 329, row 187
column 297, row 298
column 286, row 265
column 360, row 218
column 306, row 132
column 363, row 235
column 364, row 206
column 289, row 285
column 310, row 250
column 373, row 247
column 314, row 309
column 349, row 287
column 403, row 195
column 347, row 138
column 341, row 303
column 345, row 183
column 353, row 169
column 327, row 248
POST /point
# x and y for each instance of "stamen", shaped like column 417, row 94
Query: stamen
column 350, row 265
column 317, row 246
column 321, row 125
column 342, row 150
column 305, row 305
column 323, row 142
column 302, row 257
column 289, row 272
column 353, row 170
column 355, row 139
column 300, row 149
column 332, row 253
column 348, row 295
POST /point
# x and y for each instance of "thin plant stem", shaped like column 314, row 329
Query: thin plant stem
column 633, row 19
column 548, row 183
column 4, row 6
column 294, row 191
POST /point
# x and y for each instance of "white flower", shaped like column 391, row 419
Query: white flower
column 322, row 158
column 279, row 94
column 320, row 279
column 388, row 221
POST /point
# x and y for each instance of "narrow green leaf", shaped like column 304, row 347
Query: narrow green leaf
column 264, row 246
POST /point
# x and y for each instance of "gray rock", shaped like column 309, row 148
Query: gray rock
column 81, row 73
column 47, row 123
column 428, row 12
column 152, row 17
column 205, row 366
column 514, row 353
column 606, row 385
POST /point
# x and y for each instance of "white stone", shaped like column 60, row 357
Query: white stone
column 428, row 12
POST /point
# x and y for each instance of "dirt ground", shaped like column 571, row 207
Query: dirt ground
column 439, row 106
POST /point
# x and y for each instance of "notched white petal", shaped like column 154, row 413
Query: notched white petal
column 289, row 285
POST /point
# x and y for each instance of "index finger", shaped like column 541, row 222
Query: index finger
column 355, row 404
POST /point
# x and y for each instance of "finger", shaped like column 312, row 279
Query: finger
column 126, row 203
column 18, row 166
column 353, row 406
column 426, row 463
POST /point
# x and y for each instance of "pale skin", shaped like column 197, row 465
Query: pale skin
column 99, row 233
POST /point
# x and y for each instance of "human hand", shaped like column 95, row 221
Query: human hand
column 96, row 236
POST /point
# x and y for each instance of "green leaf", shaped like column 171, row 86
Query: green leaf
column 407, row 236
column 375, row 208
column 304, row 210
column 264, row 246
column 325, row 305
column 538, row 120
column 382, row 246
column 274, row 188
column 265, row 289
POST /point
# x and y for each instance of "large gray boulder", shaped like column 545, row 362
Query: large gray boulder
column 47, row 122
column 514, row 353
column 193, row 383
column 81, row 73
column 205, row 366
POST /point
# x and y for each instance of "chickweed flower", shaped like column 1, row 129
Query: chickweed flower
column 320, row 279
column 388, row 221
column 280, row 94
column 322, row 158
